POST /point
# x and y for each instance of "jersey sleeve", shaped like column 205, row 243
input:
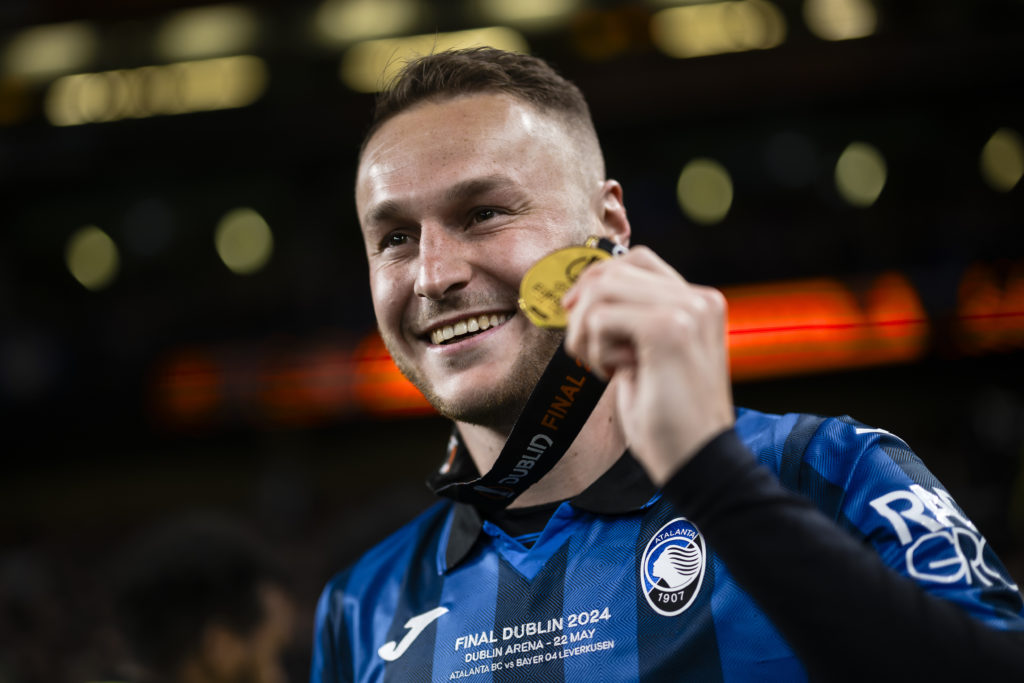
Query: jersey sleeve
column 894, row 502
column 847, row 612
column 331, row 660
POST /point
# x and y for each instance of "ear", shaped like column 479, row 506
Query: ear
column 613, row 213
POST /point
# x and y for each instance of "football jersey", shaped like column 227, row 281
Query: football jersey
column 619, row 586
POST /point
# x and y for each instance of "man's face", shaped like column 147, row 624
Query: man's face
column 457, row 199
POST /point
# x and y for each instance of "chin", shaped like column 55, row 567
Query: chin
column 493, row 411
column 490, row 403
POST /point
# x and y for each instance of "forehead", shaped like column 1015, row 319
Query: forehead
column 440, row 143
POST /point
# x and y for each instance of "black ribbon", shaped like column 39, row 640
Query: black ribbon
column 553, row 416
column 556, row 411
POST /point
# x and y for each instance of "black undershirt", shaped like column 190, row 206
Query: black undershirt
column 523, row 524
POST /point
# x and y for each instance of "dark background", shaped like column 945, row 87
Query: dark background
column 89, row 462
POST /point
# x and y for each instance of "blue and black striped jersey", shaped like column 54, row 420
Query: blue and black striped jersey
column 622, row 585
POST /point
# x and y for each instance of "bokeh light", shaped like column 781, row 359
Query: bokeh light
column 42, row 52
column 1002, row 160
column 207, row 32
column 92, row 258
column 840, row 19
column 717, row 28
column 346, row 21
column 182, row 87
column 367, row 66
column 526, row 14
column 244, row 241
column 705, row 191
column 860, row 174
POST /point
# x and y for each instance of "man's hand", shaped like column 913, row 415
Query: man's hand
column 662, row 340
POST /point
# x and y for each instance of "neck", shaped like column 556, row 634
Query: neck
column 596, row 448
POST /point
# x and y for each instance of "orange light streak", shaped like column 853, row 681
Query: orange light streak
column 380, row 388
column 312, row 387
column 990, row 309
column 774, row 330
column 814, row 325
column 189, row 388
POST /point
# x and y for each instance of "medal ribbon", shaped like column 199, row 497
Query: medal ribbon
column 555, row 412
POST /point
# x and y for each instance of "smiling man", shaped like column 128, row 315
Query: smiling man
column 647, row 531
column 448, row 242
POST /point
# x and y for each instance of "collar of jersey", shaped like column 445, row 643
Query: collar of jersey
column 624, row 488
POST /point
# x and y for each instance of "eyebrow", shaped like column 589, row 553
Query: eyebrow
column 477, row 186
column 390, row 210
column 385, row 211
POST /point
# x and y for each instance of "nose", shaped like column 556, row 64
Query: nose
column 443, row 264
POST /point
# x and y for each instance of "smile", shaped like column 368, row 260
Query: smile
column 471, row 325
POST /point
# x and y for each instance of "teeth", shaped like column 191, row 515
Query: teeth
column 467, row 326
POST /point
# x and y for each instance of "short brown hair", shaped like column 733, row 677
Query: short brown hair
column 454, row 73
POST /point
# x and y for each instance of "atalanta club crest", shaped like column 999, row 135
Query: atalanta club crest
column 672, row 568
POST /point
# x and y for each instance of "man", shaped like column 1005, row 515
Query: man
column 201, row 601
column 775, row 547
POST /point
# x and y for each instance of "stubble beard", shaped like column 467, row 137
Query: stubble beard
column 498, row 406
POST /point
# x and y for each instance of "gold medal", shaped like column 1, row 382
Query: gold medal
column 547, row 281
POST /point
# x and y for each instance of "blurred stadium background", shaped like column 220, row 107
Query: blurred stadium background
column 184, row 316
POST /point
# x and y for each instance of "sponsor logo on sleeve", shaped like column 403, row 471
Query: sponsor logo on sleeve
column 672, row 567
column 940, row 543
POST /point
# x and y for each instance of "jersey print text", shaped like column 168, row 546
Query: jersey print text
column 523, row 645
column 941, row 544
